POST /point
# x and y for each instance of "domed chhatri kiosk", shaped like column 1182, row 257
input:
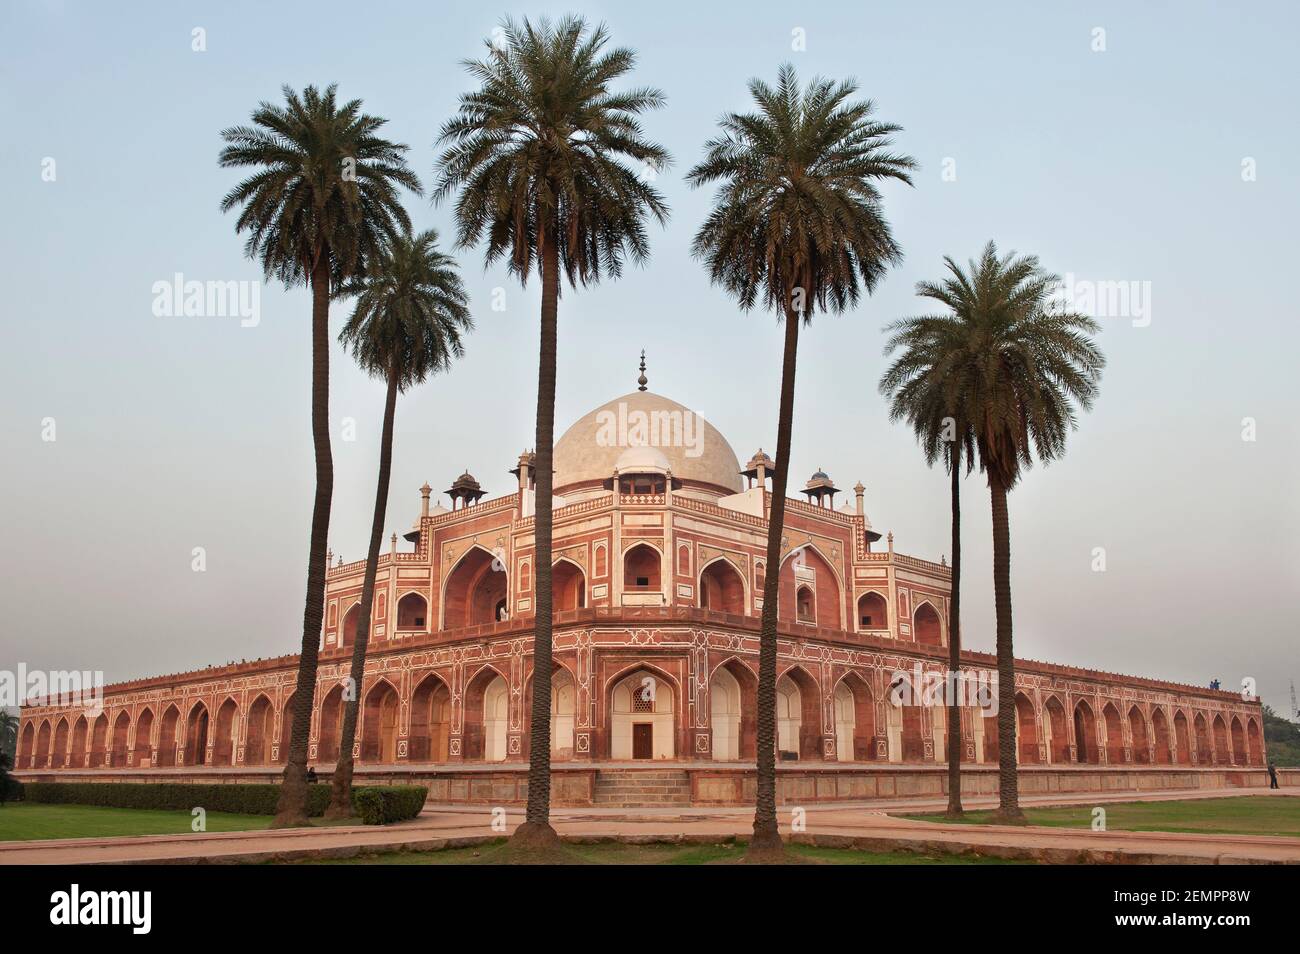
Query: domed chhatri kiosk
column 659, row 564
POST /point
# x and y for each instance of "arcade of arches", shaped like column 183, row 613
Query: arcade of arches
column 639, row 715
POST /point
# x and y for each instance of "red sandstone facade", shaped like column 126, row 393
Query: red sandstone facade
column 659, row 569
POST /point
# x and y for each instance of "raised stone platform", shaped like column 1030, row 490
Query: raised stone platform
column 683, row 783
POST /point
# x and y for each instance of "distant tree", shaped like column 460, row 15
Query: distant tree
column 8, row 734
column 1281, row 739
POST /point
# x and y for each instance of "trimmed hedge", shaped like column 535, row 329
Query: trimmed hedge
column 13, row 790
column 179, row 796
column 376, row 805
column 387, row 804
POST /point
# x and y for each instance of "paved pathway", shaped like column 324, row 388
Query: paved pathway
column 863, row 825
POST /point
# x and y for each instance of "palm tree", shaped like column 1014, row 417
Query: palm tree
column 1020, row 368
column 537, row 154
column 924, row 389
column 410, row 313
column 798, row 223
column 318, row 208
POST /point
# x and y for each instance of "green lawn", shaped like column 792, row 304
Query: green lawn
column 1246, row 815
column 621, row 854
column 26, row 821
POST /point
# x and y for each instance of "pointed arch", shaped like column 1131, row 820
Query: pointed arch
column 1056, row 730
column 1087, row 749
column 1222, row 749
column 1114, row 734
column 1254, row 742
column 733, row 694
column 166, row 756
column 1137, row 730
column 59, row 755
column 487, row 716
column 196, row 735
column 568, row 586
column 412, row 613
column 1026, row 730
column 43, row 736
column 27, row 745
column 475, row 590
column 121, row 731
column 1237, row 736
column 873, row 611
column 430, row 736
column 348, row 630
column 79, row 756
column 642, row 706
column 142, row 756
column 927, row 627
column 798, row 714
column 815, row 576
column 227, row 728
column 722, row 587
column 642, row 568
column 379, row 722
column 1204, row 744
column 564, row 701
column 330, row 732
column 261, row 726
column 1160, row 737
column 855, row 719
column 1182, row 738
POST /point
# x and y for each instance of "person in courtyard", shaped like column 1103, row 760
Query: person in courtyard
column 1272, row 775
column 311, row 775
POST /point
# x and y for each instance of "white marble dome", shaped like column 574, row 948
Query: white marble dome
column 645, row 429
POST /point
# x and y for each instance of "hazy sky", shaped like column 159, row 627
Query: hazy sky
column 1169, row 158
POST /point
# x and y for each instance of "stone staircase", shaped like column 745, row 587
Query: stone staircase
column 642, row 788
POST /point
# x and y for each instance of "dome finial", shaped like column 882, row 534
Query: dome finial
column 642, row 381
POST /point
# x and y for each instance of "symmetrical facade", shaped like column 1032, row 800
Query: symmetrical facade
column 658, row 567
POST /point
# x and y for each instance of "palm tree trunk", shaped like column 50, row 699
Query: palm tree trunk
column 1009, row 798
column 536, row 830
column 341, row 794
column 291, row 811
column 954, row 644
column 767, row 837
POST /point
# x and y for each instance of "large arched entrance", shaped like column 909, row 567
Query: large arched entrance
column 476, row 591
column 564, row 699
column 430, row 721
column 379, row 724
column 1058, row 733
column 855, row 732
column 487, row 717
column 732, row 699
column 722, row 588
column 642, row 717
column 798, row 716
column 1087, row 750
